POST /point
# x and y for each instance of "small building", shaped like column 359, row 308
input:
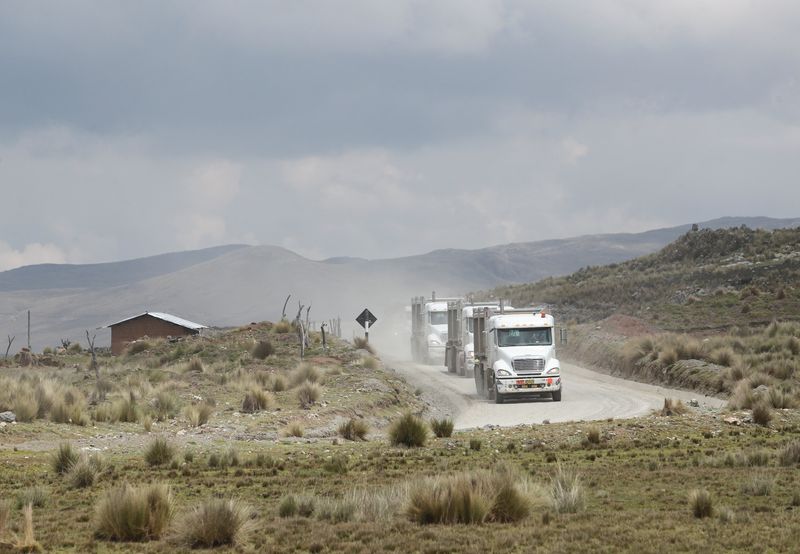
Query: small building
column 150, row 324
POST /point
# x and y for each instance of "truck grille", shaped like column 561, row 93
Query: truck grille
column 529, row 366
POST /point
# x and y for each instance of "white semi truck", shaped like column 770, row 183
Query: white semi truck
column 429, row 328
column 515, row 354
column 459, row 350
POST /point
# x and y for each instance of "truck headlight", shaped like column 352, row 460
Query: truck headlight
column 551, row 371
column 503, row 373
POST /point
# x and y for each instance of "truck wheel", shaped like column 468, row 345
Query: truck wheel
column 491, row 391
column 557, row 396
column 462, row 364
column 499, row 398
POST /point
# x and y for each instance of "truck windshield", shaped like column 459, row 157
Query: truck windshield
column 438, row 318
column 524, row 337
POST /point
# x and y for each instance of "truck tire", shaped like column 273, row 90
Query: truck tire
column 499, row 398
column 462, row 364
column 491, row 389
column 557, row 396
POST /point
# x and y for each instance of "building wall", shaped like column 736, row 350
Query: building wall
column 144, row 326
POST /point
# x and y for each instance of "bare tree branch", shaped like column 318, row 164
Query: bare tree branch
column 283, row 316
column 10, row 340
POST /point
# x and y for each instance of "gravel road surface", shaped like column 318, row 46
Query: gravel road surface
column 588, row 395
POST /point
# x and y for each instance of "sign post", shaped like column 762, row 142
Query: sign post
column 366, row 319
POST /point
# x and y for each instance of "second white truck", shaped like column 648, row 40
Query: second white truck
column 515, row 354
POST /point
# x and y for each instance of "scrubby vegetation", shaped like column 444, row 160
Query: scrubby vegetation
column 409, row 431
column 129, row 513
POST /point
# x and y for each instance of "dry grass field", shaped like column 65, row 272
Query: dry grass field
column 265, row 467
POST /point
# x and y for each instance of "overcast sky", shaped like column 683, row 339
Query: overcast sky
column 384, row 128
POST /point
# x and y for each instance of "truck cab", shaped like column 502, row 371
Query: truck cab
column 429, row 331
column 515, row 355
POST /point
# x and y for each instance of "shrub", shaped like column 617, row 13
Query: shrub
column 762, row 413
column 304, row 373
column 128, row 513
column 409, row 431
column 779, row 399
column 790, row 454
column 199, row 414
column 673, row 407
column 262, row 350
column 82, row 474
column 742, row 396
column 701, row 503
column 147, row 423
column 566, row 491
column 370, row 363
column 353, row 429
column 442, row 428
column 75, row 348
column 256, row 400
column 103, row 413
column 159, row 452
column 308, row 393
column 32, row 496
column 723, row 356
column 195, row 365
column 475, row 444
column 593, row 435
column 215, row 522
column 282, row 326
column 361, row 343
column 64, row 458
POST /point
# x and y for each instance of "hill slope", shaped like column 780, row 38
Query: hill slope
column 226, row 287
column 707, row 278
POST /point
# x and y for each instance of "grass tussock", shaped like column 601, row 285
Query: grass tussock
column 370, row 362
column 83, row 474
column 64, row 458
column 442, row 428
column 27, row 542
column 408, row 431
column 593, row 435
column 36, row 496
column 256, row 400
column 262, row 350
column 470, row 498
column 126, row 409
column 353, row 430
column 159, row 452
column 762, row 413
column 199, row 414
column 134, row 514
column 137, row 347
column 361, row 343
column 214, row 522
column 165, row 405
column 308, row 394
column 566, row 490
column 195, row 365
column 673, row 407
column 701, row 503
column 283, row 326
column 277, row 383
column 305, row 373
column 790, row 454
column 294, row 429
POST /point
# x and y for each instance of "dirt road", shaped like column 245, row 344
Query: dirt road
column 587, row 395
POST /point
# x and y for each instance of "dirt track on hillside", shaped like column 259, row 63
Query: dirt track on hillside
column 587, row 396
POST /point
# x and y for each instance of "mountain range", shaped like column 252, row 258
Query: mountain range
column 236, row 284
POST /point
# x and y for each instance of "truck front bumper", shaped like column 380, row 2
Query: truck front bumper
column 528, row 385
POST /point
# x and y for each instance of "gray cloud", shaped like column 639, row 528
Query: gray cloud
column 377, row 129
